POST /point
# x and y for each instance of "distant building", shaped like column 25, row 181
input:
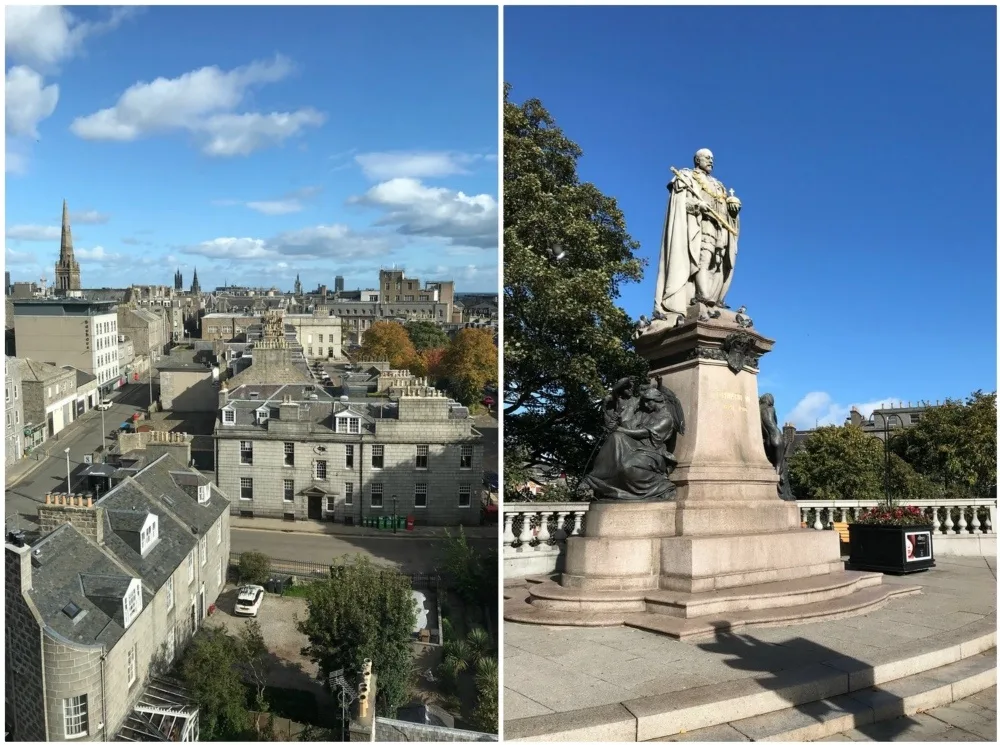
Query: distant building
column 103, row 601
column 178, row 281
column 898, row 418
column 6, row 284
column 67, row 268
column 318, row 333
column 48, row 398
column 195, row 285
column 338, row 284
column 79, row 333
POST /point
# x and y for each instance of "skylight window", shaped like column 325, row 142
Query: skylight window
column 72, row 610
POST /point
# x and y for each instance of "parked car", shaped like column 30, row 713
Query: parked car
column 248, row 600
column 104, row 405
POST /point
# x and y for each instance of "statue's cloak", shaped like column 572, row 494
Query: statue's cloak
column 680, row 247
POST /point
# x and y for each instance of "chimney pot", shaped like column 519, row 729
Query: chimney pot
column 48, row 499
column 90, row 502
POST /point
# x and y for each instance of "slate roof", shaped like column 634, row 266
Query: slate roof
column 182, row 520
column 39, row 371
column 82, row 377
column 69, row 568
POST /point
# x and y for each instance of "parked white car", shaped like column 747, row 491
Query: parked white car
column 248, row 600
column 104, row 405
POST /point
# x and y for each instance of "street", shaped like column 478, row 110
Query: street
column 82, row 437
column 409, row 554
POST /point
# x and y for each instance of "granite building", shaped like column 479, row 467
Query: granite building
column 100, row 605
column 293, row 451
column 48, row 396
column 13, row 394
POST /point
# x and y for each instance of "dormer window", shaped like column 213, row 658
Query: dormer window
column 150, row 533
column 348, row 425
column 263, row 414
column 229, row 417
column 204, row 493
column 132, row 602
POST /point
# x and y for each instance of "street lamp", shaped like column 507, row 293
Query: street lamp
column 886, row 418
column 69, row 486
column 393, row 513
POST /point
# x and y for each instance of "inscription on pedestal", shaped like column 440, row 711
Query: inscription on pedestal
column 730, row 401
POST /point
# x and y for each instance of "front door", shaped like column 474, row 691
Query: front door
column 315, row 508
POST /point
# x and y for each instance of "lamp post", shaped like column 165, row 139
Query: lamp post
column 886, row 418
column 393, row 513
column 69, row 486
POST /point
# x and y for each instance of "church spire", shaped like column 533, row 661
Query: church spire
column 195, row 286
column 67, row 273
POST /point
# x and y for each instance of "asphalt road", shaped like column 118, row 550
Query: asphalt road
column 82, row 437
column 408, row 554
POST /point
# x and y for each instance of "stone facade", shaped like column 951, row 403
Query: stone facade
column 226, row 326
column 49, row 393
column 418, row 456
column 184, row 389
column 319, row 334
column 13, row 411
column 105, row 657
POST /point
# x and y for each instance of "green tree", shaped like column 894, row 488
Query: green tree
column 426, row 335
column 364, row 611
column 254, row 567
column 838, row 463
column 207, row 671
column 470, row 362
column 565, row 340
column 255, row 661
column 955, row 445
column 388, row 341
column 471, row 573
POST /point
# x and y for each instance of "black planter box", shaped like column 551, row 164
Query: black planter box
column 893, row 549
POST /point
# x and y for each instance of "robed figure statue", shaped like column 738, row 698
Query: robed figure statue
column 635, row 461
column 775, row 445
column 699, row 245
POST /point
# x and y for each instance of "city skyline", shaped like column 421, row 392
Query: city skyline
column 246, row 151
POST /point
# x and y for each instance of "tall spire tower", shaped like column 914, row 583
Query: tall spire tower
column 67, row 268
column 195, row 286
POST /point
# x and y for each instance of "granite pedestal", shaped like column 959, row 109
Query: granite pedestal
column 728, row 544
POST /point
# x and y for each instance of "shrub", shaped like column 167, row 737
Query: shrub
column 254, row 568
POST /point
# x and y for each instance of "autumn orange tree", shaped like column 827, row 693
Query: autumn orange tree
column 434, row 362
column 388, row 341
column 470, row 363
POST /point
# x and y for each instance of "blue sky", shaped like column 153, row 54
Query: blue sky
column 862, row 142
column 253, row 143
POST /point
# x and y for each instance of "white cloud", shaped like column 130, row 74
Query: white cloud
column 414, row 164
column 19, row 257
column 430, row 212
column 14, row 162
column 819, row 408
column 89, row 217
column 276, row 207
column 96, row 255
column 202, row 102
column 45, row 35
column 33, row 232
column 286, row 204
column 28, row 101
column 319, row 242
column 241, row 134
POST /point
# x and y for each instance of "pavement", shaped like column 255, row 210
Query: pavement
column 971, row 719
column 315, row 527
column 549, row 670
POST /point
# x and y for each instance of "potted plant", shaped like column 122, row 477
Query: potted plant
column 895, row 540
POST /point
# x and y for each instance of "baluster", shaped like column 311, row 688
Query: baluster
column 577, row 522
column 560, row 532
column 818, row 525
column 948, row 524
column 803, row 515
column 936, row 511
column 975, row 519
column 524, row 534
column 988, row 520
column 962, row 524
column 508, row 529
column 543, row 528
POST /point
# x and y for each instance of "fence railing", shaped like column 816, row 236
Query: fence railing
column 312, row 570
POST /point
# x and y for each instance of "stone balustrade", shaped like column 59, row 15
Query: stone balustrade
column 535, row 533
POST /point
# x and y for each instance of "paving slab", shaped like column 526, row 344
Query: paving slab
column 567, row 669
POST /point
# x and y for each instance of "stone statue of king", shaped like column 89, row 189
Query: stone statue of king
column 699, row 241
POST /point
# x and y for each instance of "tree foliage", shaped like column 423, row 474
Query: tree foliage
column 426, row 335
column 207, row 671
column 847, row 463
column 955, row 445
column 565, row 340
column 487, row 714
column 254, row 567
column 470, row 362
column 364, row 611
column 471, row 573
column 433, row 360
column 388, row 341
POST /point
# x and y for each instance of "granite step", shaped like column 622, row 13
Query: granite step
column 813, row 720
